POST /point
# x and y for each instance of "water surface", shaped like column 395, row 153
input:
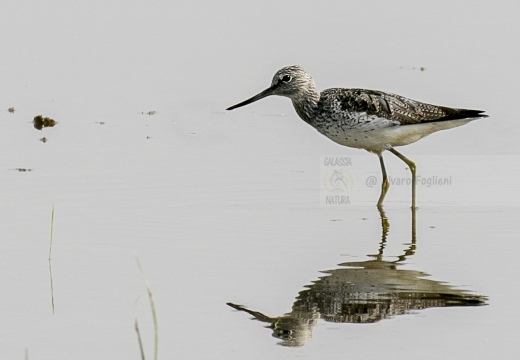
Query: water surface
column 226, row 207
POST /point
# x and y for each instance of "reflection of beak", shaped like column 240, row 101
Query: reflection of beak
column 258, row 315
column 263, row 94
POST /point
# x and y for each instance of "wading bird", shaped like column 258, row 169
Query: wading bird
column 365, row 119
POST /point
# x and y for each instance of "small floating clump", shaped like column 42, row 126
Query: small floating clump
column 151, row 112
column 40, row 122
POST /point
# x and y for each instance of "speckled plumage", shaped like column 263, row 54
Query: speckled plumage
column 366, row 119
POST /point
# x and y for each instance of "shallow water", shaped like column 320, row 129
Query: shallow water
column 228, row 207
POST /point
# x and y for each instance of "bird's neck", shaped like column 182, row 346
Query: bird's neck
column 306, row 104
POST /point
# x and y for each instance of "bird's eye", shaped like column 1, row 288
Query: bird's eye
column 286, row 78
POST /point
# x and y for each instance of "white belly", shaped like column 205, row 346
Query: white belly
column 377, row 140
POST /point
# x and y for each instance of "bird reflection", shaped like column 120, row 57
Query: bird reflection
column 364, row 292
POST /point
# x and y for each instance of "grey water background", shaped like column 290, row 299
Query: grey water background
column 225, row 207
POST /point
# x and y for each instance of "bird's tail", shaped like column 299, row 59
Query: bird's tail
column 472, row 113
column 456, row 114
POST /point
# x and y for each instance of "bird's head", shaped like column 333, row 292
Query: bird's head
column 291, row 81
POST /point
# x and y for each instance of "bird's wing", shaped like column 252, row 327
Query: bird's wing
column 390, row 106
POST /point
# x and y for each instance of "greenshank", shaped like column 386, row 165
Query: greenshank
column 365, row 119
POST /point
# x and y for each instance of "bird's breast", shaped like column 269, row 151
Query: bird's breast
column 357, row 130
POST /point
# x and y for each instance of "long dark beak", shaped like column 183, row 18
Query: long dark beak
column 256, row 314
column 262, row 95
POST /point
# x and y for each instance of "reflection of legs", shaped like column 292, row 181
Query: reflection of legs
column 385, row 225
column 385, row 185
column 412, row 167
column 414, row 225
column 411, row 249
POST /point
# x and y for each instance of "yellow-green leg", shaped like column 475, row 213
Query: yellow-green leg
column 413, row 169
column 385, row 185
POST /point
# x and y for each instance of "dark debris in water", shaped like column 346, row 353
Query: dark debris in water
column 152, row 112
column 422, row 68
column 23, row 170
column 40, row 122
column 11, row 109
column 43, row 139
